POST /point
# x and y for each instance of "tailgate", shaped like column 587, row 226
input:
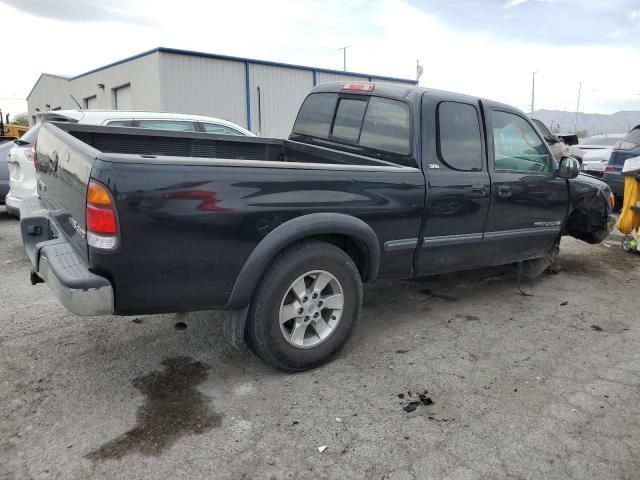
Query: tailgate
column 63, row 167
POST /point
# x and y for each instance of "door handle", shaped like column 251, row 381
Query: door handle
column 478, row 191
column 504, row 191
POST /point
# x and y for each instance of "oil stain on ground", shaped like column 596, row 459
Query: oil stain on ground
column 173, row 409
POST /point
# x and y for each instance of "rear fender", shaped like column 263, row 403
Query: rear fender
column 299, row 228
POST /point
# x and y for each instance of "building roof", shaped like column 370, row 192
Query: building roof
column 237, row 59
column 61, row 77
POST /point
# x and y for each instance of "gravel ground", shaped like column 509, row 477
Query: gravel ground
column 540, row 387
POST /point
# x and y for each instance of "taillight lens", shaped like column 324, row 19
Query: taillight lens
column 358, row 86
column 30, row 153
column 610, row 169
column 101, row 218
column 624, row 146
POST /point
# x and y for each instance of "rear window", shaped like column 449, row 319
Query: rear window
column 349, row 119
column 387, row 126
column 316, row 115
column 372, row 122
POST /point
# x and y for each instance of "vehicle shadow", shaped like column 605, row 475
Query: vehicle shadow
column 4, row 215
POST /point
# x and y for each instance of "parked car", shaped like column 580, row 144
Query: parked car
column 376, row 181
column 4, row 171
column 22, row 178
column 628, row 147
column 597, row 151
column 560, row 145
column 23, row 182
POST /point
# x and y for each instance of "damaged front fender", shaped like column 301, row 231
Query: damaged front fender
column 590, row 215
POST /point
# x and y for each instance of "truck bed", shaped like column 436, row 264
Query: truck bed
column 160, row 143
column 190, row 220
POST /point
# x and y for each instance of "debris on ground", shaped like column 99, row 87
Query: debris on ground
column 322, row 448
column 339, row 420
column 402, row 351
column 597, row 328
column 180, row 326
column 137, row 320
column 411, row 406
column 564, row 303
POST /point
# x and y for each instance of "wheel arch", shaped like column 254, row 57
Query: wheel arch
column 349, row 233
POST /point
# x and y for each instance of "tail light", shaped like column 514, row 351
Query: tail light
column 102, row 221
column 358, row 87
column 610, row 169
column 30, row 153
column 624, row 146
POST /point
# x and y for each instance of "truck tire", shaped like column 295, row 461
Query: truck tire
column 305, row 307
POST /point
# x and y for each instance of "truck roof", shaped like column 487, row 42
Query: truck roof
column 407, row 92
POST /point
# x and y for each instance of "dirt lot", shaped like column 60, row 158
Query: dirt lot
column 538, row 387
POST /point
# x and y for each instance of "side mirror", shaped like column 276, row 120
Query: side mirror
column 569, row 168
column 552, row 140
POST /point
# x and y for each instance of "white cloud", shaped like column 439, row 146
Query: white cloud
column 386, row 38
column 514, row 3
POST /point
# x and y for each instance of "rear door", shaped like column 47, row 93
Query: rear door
column 455, row 164
column 528, row 201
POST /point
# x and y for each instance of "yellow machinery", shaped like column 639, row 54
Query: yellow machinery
column 629, row 221
column 15, row 131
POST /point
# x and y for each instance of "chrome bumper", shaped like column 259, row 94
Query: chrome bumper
column 60, row 266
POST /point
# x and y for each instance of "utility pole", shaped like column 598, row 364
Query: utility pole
column 533, row 91
column 344, row 57
column 575, row 125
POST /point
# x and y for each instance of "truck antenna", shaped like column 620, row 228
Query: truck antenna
column 72, row 98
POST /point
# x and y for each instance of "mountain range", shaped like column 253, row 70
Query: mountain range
column 593, row 123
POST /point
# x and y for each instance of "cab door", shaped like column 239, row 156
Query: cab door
column 528, row 201
column 455, row 166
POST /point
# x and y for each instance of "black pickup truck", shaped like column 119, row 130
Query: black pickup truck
column 375, row 181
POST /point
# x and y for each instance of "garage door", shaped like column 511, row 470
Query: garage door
column 122, row 97
column 91, row 103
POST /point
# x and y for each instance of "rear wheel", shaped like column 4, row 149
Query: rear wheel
column 305, row 307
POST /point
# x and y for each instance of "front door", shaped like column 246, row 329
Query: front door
column 528, row 201
column 457, row 204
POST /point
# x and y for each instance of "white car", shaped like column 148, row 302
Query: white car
column 22, row 177
column 597, row 150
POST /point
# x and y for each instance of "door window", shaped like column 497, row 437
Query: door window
column 219, row 129
column 176, row 126
column 516, row 145
column 459, row 143
column 120, row 123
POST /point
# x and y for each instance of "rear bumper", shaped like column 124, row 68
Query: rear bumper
column 57, row 263
column 13, row 205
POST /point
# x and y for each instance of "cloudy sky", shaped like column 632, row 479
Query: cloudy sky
column 482, row 47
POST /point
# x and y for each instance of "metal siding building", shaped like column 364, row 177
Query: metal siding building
column 259, row 95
